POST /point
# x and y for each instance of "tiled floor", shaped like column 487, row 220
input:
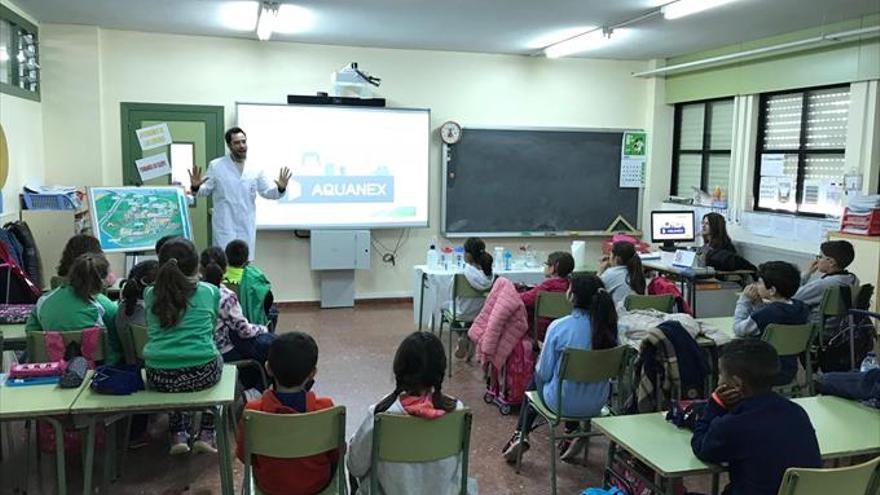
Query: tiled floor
column 354, row 368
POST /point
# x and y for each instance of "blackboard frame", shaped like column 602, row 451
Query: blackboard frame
column 445, row 154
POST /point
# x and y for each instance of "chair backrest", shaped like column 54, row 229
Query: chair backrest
column 861, row 479
column 138, row 339
column 664, row 302
column 462, row 288
column 833, row 303
column 862, row 299
column 290, row 436
column 582, row 273
column 36, row 344
column 446, row 436
column 552, row 305
column 789, row 340
column 578, row 365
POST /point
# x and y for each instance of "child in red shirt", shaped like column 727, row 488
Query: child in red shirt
column 557, row 270
column 292, row 362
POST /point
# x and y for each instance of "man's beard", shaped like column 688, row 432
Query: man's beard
column 239, row 156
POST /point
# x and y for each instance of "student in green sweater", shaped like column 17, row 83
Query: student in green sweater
column 254, row 289
column 180, row 355
column 79, row 304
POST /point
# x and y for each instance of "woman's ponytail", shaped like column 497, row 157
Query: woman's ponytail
column 603, row 320
column 175, row 280
column 635, row 275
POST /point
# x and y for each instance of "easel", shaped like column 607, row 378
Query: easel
column 131, row 259
column 613, row 227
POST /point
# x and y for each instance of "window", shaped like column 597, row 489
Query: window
column 19, row 58
column 701, row 147
column 801, row 148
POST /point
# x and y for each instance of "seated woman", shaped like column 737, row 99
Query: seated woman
column 718, row 250
column 557, row 270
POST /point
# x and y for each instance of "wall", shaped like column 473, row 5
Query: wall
column 836, row 63
column 473, row 89
column 22, row 121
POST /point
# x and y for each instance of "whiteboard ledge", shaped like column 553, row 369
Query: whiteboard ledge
column 564, row 234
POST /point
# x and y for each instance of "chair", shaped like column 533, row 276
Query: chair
column 664, row 303
column 139, row 336
column 861, row 479
column 576, row 366
column 833, row 306
column 290, row 436
column 793, row 340
column 551, row 305
column 36, row 345
column 439, row 438
column 461, row 288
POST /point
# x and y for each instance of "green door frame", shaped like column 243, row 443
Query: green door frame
column 212, row 116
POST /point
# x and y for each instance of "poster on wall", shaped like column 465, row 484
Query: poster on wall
column 772, row 164
column 153, row 136
column 632, row 159
column 153, row 166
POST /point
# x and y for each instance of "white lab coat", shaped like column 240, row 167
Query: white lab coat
column 234, row 194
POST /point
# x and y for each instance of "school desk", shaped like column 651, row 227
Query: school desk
column 41, row 402
column 13, row 337
column 432, row 288
column 89, row 407
column 844, row 428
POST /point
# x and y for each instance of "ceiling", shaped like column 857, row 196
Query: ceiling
column 489, row 26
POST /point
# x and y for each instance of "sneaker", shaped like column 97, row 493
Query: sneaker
column 573, row 449
column 252, row 394
column 516, row 445
column 179, row 443
column 206, row 444
column 461, row 347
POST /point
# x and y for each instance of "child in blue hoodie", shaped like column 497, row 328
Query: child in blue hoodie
column 769, row 301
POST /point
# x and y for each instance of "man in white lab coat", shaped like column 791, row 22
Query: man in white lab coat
column 234, row 187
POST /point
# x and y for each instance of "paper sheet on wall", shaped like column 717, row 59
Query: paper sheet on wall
column 772, row 164
column 153, row 166
column 154, row 136
column 633, row 153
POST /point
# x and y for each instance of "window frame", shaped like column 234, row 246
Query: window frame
column 705, row 151
column 802, row 151
column 19, row 22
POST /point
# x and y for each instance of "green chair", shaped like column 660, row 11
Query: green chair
column 664, row 303
column 551, row 305
column 439, row 438
column 291, row 436
column 793, row 340
column 36, row 345
column 861, row 479
column 582, row 367
column 461, row 288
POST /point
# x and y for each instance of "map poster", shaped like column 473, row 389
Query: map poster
column 132, row 219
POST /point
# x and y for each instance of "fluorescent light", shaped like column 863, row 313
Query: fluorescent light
column 4, row 55
column 293, row 19
column 239, row 16
column 587, row 41
column 683, row 8
column 268, row 20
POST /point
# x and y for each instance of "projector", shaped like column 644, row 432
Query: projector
column 351, row 81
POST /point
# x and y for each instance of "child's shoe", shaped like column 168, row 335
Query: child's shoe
column 206, row 444
column 179, row 443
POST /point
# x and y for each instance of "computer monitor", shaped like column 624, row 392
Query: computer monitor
column 670, row 227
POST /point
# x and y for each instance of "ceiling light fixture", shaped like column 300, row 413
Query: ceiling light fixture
column 683, row 8
column 293, row 19
column 267, row 20
column 239, row 15
column 4, row 55
column 582, row 42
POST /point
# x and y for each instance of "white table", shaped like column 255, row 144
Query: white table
column 432, row 288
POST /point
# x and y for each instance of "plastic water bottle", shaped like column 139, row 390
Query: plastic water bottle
column 433, row 258
column 499, row 261
column 507, row 258
column 869, row 363
column 459, row 257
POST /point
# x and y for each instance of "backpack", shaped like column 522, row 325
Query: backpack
column 661, row 285
column 30, row 254
column 837, row 352
column 15, row 286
